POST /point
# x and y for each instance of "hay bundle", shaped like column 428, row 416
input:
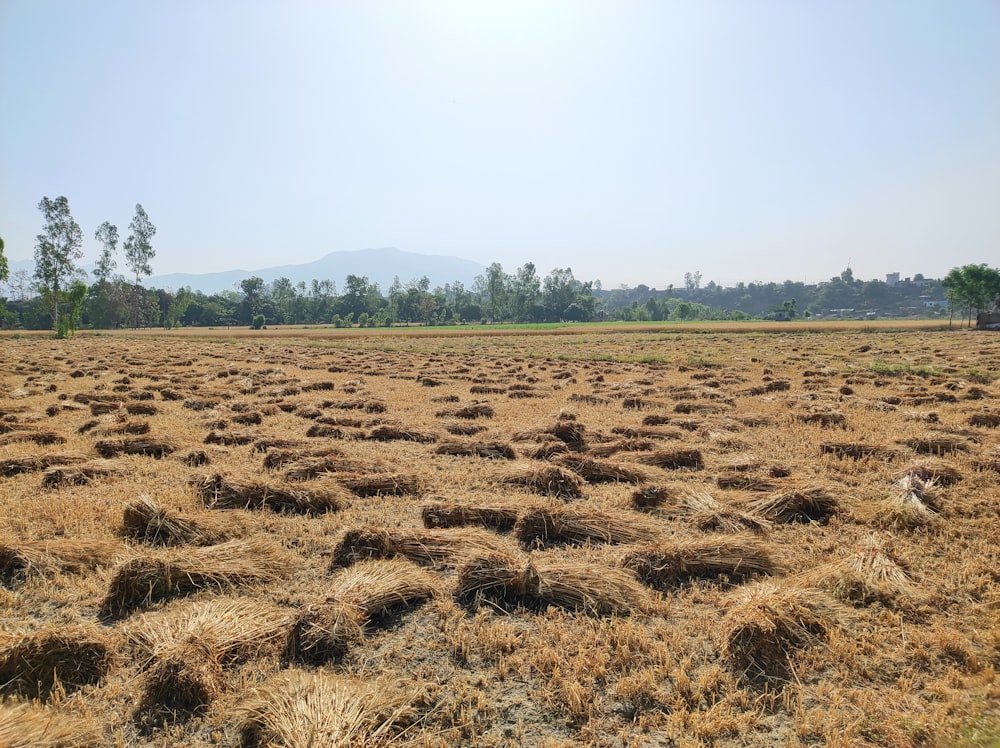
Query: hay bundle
column 676, row 459
column 277, row 458
column 308, row 468
column 807, row 504
column 865, row 576
column 190, row 645
column 464, row 429
column 224, row 492
column 496, row 517
column 72, row 656
column 149, row 522
column 932, row 471
column 196, row 458
column 767, row 621
column 149, row 446
column 986, row 419
column 571, row 584
column 706, row 513
column 34, row 463
column 325, row 632
column 622, row 445
column 936, row 444
column 41, row 438
column 370, row 405
column 381, row 484
column 649, row 497
column 646, row 433
column 32, row 726
column 231, row 438
column 297, row 709
column 603, row 471
column 825, row 418
column 17, row 560
column 579, row 524
column 670, row 564
column 391, row 432
column 487, row 450
column 547, row 451
column 268, row 443
column 322, row 430
column 470, row 412
column 744, row 481
column 436, row 547
column 858, row 451
column 133, row 428
column 80, row 474
column 911, row 503
column 150, row 577
column 549, row 480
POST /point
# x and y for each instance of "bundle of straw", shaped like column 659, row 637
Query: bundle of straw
column 806, row 504
column 71, row 555
column 225, row 492
column 33, row 463
column 33, row 726
column 80, row 474
column 706, row 513
column 148, row 521
column 494, row 516
column 582, row 524
column 549, row 480
column 865, row 576
column 669, row 564
column 436, row 547
column 151, row 446
column 603, row 471
column 72, row 656
column 487, row 450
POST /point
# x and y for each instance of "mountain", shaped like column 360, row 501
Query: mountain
column 379, row 265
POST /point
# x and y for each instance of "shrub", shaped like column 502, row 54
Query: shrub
column 258, row 322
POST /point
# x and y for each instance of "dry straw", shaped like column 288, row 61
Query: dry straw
column 35, row 463
column 147, row 445
column 705, row 512
column 435, row 547
column 805, row 504
column 583, row 524
column 67, row 657
column 767, row 621
column 80, row 474
column 277, row 458
column 495, row 516
column 33, row 726
column 867, row 575
column 911, row 503
column 667, row 565
column 154, row 576
column 380, row 484
column 39, row 437
column 859, row 451
column 488, row 450
column 573, row 584
column 391, row 432
column 225, row 492
column 308, row 468
column 603, row 471
column 18, row 560
column 149, row 522
column 298, row 709
column 675, row 459
column 549, row 480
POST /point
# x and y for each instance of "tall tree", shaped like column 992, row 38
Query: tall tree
column 107, row 235
column 4, row 267
column 138, row 253
column 57, row 247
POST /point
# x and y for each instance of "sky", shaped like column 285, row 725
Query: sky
column 629, row 140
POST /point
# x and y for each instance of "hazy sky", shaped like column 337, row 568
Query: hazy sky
column 631, row 141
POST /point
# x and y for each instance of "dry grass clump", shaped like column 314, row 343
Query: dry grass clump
column 550, row 480
column 149, row 446
column 33, row 726
column 806, row 504
column 380, row 484
column 231, row 438
column 985, row 419
column 603, row 471
column 910, row 504
column 188, row 647
column 472, row 411
column 276, row 458
column 464, row 429
column 582, row 524
column 767, row 621
column 674, row 459
column 225, row 492
column 930, row 470
column 308, row 468
column 435, row 547
column 936, row 444
column 41, row 438
column 650, row 497
column 865, row 576
column 706, row 513
column 670, row 564
column 148, row 521
column 622, row 445
column 80, row 474
column 391, row 432
column 744, row 481
column 150, row 577
column 859, row 451
column 572, row 584
column 494, row 450
column 824, row 418
column 19, row 559
column 497, row 517
column 566, row 429
column 71, row 656
column 299, row 709
column 34, row 463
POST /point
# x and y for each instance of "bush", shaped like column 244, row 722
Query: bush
column 258, row 322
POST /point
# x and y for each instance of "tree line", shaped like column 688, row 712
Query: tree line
column 60, row 298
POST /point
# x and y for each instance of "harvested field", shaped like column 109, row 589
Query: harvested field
column 674, row 535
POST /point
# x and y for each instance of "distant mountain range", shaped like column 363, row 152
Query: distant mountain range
column 379, row 265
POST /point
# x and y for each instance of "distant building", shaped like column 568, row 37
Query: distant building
column 892, row 279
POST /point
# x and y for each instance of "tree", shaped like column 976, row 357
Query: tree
column 138, row 252
column 57, row 247
column 107, row 235
column 4, row 267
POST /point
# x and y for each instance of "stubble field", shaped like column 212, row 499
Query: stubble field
column 609, row 538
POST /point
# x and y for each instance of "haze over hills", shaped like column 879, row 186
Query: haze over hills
column 379, row 265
